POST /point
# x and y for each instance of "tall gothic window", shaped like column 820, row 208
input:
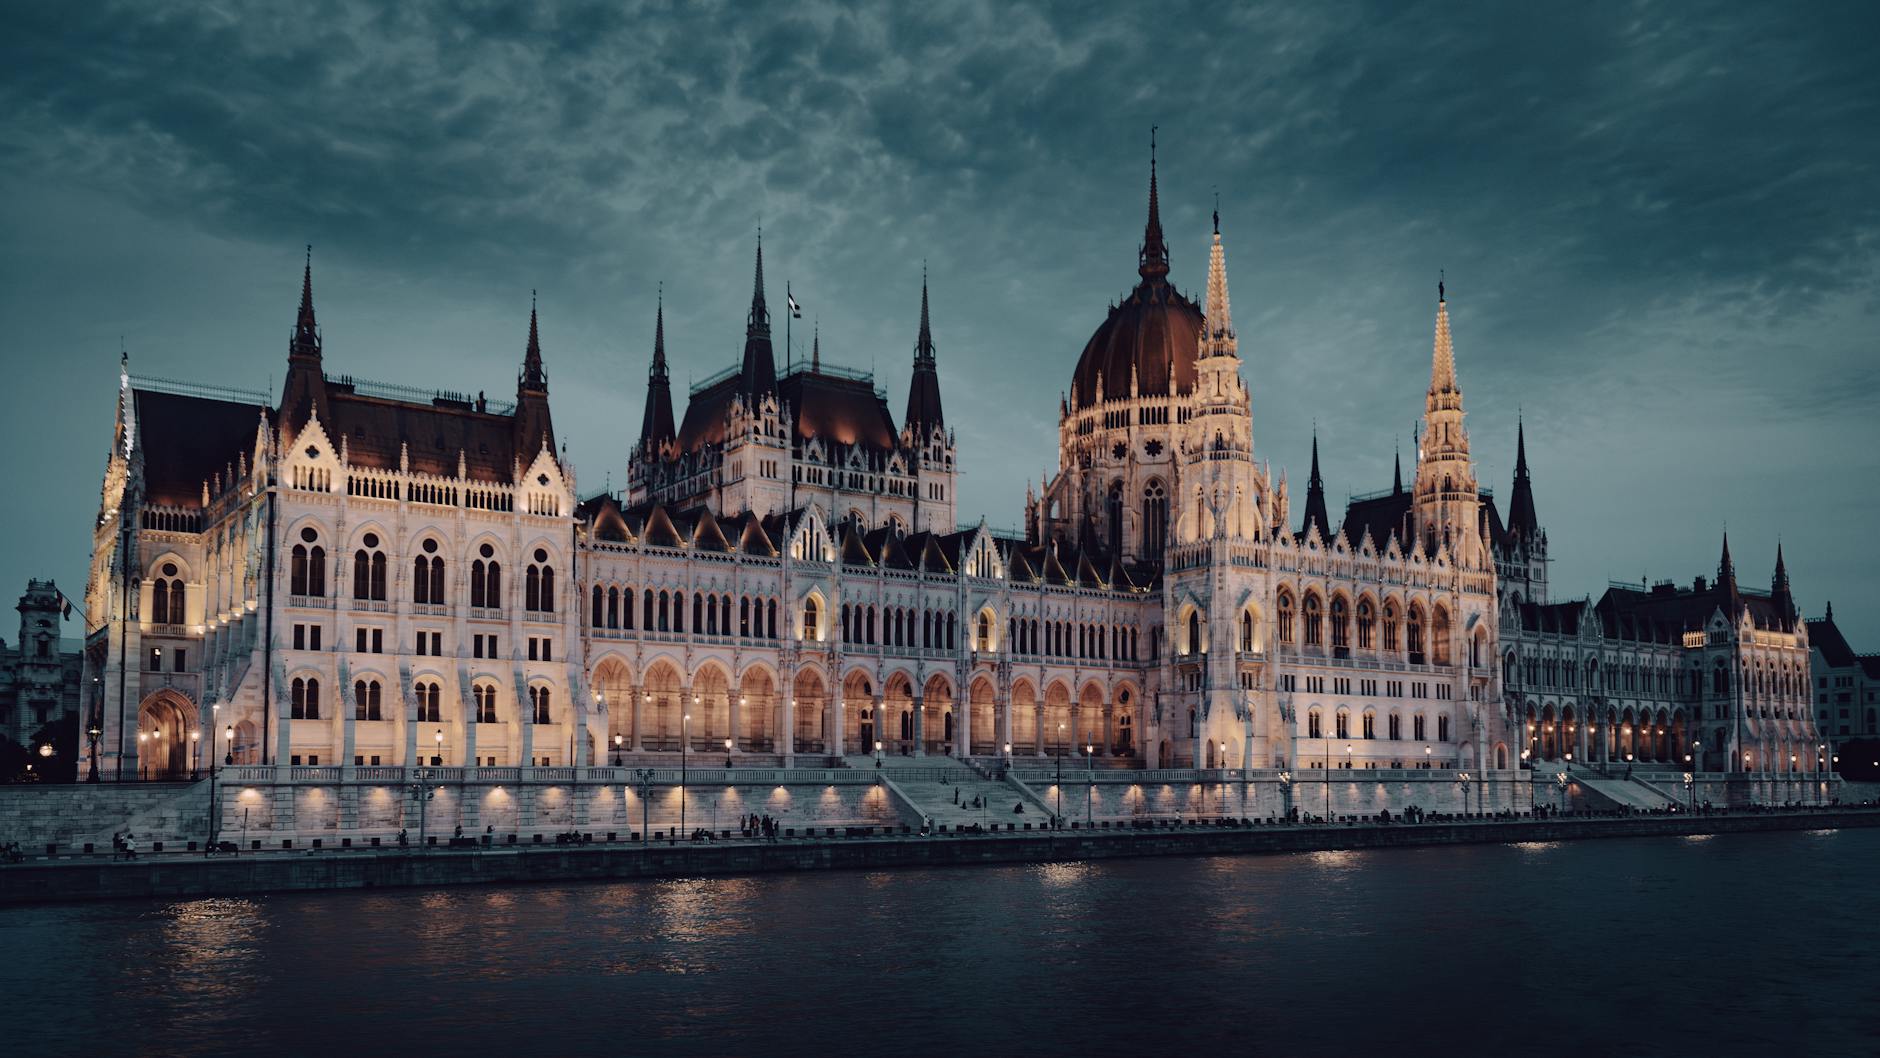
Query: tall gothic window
column 1341, row 622
column 1285, row 618
column 305, row 701
column 428, row 697
column 1154, row 520
column 1315, row 622
column 366, row 700
column 538, row 704
column 369, row 570
column 1414, row 640
column 1367, row 625
column 167, row 596
column 307, row 570
column 538, row 586
column 812, row 620
column 484, row 698
column 1439, row 635
column 486, row 579
column 427, row 576
column 1390, row 626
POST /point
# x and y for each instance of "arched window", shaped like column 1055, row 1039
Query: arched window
column 1344, row 724
column 596, row 612
column 167, row 597
column 307, row 573
column 1341, row 622
column 1439, row 635
column 1370, row 724
column 1367, row 625
column 486, row 579
column 1442, row 728
column 366, row 700
column 538, row 705
column 1246, row 632
column 427, row 576
column 369, row 570
column 483, row 696
column 1390, row 626
column 1414, row 639
column 1315, row 623
column 1396, row 726
column 1154, row 520
column 1312, row 725
column 1193, row 646
column 305, row 703
column 812, row 620
column 1286, row 618
column 1720, row 679
column 538, row 589
column 985, row 631
column 1113, row 516
column 429, row 710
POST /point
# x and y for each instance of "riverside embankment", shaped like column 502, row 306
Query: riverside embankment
column 187, row 876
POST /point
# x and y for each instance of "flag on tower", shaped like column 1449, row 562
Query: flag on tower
column 795, row 309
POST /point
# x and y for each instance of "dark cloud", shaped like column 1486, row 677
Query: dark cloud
column 1657, row 222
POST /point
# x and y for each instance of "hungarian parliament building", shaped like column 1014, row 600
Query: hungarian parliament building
column 359, row 576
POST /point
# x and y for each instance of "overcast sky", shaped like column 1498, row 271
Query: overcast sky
column 1659, row 224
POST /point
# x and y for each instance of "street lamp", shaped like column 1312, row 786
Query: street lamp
column 1090, row 780
column 195, row 759
column 727, row 753
column 423, row 792
column 92, row 734
column 877, row 754
column 228, row 736
column 618, row 739
column 1427, row 762
column 645, row 777
column 1059, row 787
column 685, row 735
column 440, row 747
column 1285, row 790
column 142, row 768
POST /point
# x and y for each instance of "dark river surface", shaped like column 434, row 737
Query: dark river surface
column 1764, row 944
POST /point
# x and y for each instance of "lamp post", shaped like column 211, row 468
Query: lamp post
column 1690, row 787
column 92, row 733
column 685, row 735
column 1528, row 764
column 645, row 777
column 422, row 790
column 143, row 769
column 1463, row 778
column 1090, row 780
column 440, row 747
column 877, row 754
column 195, row 754
column 1427, row 762
column 1059, row 787
column 618, row 739
column 1285, row 793
column 727, row 754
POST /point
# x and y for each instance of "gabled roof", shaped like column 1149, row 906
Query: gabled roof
column 376, row 430
column 1377, row 518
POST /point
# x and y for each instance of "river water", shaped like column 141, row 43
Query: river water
column 1764, row 944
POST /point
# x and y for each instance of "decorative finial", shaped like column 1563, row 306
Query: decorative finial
column 1217, row 211
column 1440, row 276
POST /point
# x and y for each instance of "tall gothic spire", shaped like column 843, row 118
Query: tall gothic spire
column 534, row 428
column 533, row 377
column 303, row 392
column 656, row 426
column 1726, row 570
column 1219, row 339
column 1779, row 591
column 1315, row 494
column 923, row 392
column 759, row 372
column 306, row 337
column 1396, row 471
column 1443, row 366
column 1522, row 520
column 1153, row 259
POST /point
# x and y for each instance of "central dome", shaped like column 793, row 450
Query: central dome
column 1154, row 334
column 1153, row 337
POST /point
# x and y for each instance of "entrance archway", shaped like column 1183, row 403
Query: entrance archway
column 165, row 721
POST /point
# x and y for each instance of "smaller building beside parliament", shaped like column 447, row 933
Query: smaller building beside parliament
column 325, row 589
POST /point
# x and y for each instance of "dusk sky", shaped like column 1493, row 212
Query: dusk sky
column 1660, row 226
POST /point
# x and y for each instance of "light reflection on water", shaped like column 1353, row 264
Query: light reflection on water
column 1380, row 948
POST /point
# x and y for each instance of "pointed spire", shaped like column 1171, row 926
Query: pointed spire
column 533, row 378
column 1523, row 522
column 656, row 425
column 1726, row 570
column 1782, row 572
column 306, row 339
column 759, row 372
column 1396, row 470
column 1443, row 365
column 923, row 391
column 1315, row 494
column 1153, row 259
column 815, row 348
column 1219, row 338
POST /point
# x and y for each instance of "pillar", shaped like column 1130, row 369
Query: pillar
column 785, row 740
column 832, row 735
column 638, row 693
column 920, row 725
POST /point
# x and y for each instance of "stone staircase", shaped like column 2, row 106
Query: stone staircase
column 1622, row 792
column 942, row 789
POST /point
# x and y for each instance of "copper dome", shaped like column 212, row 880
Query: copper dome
column 1154, row 336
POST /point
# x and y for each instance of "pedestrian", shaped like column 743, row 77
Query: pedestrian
column 130, row 846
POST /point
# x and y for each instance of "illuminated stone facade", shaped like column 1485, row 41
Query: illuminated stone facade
column 354, row 579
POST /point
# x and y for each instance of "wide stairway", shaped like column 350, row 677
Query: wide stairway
column 943, row 789
column 1623, row 792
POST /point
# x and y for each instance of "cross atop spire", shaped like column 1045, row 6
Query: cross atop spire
column 1153, row 260
column 1219, row 338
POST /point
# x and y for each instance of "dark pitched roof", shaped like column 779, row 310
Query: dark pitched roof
column 1562, row 618
column 1378, row 517
column 375, row 429
column 189, row 440
column 1824, row 635
column 840, row 409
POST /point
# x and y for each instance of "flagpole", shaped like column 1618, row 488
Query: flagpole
column 789, row 310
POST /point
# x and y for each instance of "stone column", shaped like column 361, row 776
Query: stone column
column 920, row 725
column 785, row 740
column 638, row 693
column 734, row 717
column 1003, row 735
column 832, row 735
